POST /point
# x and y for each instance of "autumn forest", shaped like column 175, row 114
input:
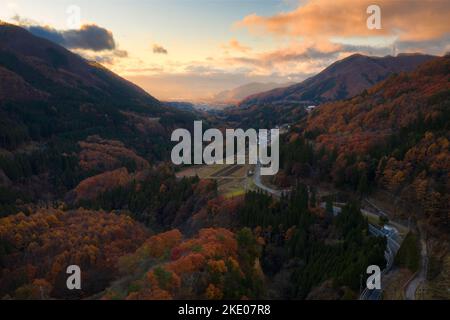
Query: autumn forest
column 86, row 179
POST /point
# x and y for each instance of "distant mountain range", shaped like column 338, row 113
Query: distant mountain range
column 236, row 95
column 341, row 80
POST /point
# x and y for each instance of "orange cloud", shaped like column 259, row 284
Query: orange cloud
column 300, row 58
column 236, row 46
column 414, row 20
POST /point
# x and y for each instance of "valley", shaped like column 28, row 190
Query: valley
column 87, row 179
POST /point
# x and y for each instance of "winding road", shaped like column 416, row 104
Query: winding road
column 391, row 250
column 393, row 244
column 262, row 186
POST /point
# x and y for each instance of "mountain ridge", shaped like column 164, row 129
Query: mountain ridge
column 61, row 65
column 237, row 94
column 393, row 137
column 51, row 100
column 341, row 80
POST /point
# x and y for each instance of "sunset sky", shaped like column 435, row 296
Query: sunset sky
column 191, row 49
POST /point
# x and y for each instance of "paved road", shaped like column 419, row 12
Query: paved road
column 391, row 250
column 260, row 185
column 393, row 240
column 420, row 277
column 380, row 212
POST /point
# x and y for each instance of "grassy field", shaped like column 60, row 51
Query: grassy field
column 232, row 180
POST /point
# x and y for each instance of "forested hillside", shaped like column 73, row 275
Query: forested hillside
column 85, row 179
column 57, row 109
column 394, row 136
column 343, row 79
column 35, row 251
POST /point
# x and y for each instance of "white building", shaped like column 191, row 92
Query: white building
column 310, row 108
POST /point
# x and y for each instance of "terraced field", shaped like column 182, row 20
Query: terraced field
column 232, row 180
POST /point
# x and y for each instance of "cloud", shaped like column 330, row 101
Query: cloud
column 148, row 70
column 434, row 46
column 303, row 57
column 103, row 57
column 92, row 42
column 236, row 46
column 157, row 49
column 88, row 37
column 202, row 69
column 50, row 34
column 323, row 31
column 121, row 53
column 293, row 62
column 192, row 86
column 416, row 20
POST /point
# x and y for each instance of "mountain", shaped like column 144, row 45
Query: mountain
column 395, row 137
column 341, row 80
column 35, row 68
column 52, row 99
column 235, row 95
column 46, row 90
column 390, row 144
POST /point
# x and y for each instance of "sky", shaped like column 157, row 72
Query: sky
column 191, row 49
